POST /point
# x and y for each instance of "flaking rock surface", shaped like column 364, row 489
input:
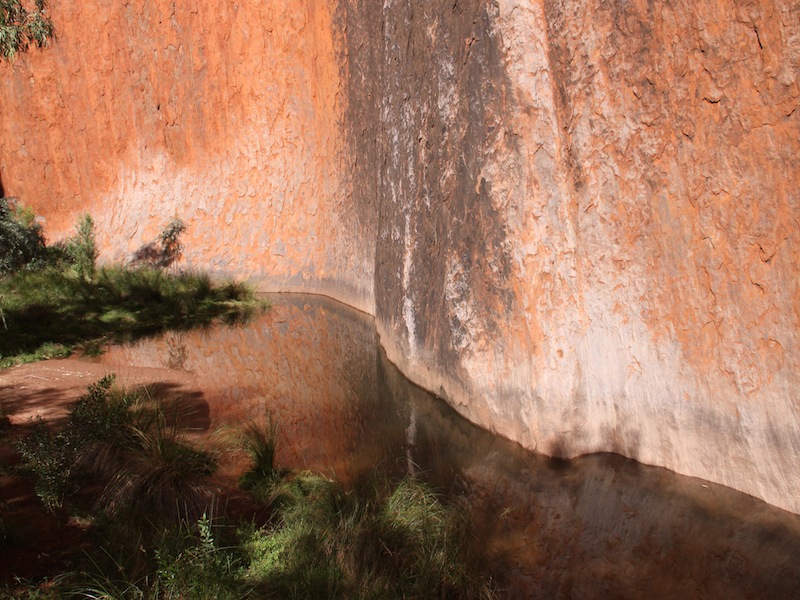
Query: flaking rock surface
column 576, row 220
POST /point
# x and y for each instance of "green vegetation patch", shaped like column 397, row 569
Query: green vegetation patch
column 53, row 300
column 393, row 541
column 160, row 533
column 51, row 311
column 128, row 443
column 22, row 25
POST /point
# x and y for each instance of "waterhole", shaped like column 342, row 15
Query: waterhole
column 600, row 526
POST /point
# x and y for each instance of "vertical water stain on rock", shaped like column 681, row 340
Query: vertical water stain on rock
column 441, row 103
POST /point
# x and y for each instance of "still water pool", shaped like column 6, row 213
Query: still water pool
column 599, row 526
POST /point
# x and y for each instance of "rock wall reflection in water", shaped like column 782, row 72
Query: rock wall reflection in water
column 599, row 526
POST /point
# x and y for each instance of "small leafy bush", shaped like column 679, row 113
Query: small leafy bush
column 55, row 458
column 127, row 443
column 50, row 456
column 81, row 249
column 21, row 238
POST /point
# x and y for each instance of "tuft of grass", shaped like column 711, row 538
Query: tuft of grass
column 259, row 440
column 404, row 543
column 129, row 444
column 162, row 476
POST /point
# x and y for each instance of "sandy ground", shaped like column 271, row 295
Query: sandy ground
column 46, row 389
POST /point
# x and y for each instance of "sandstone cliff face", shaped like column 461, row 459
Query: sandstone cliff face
column 589, row 235
column 228, row 115
column 576, row 220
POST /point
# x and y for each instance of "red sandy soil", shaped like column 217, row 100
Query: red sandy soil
column 41, row 544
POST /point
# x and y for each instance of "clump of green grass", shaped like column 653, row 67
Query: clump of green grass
column 161, row 475
column 400, row 543
column 127, row 443
column 259, row 440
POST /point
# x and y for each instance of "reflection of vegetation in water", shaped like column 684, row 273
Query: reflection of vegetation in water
column 163, row 536
column 53, row 299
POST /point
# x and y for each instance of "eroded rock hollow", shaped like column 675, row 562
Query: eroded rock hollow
column 576, row 220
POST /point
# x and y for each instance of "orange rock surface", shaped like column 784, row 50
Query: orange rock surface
column 576, row 220
column 227, row 115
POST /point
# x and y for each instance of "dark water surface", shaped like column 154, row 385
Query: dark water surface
column 599, row 526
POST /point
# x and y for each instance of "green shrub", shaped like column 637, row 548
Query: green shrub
column 81, row 248
column 50, row 457
column 127, row 443
column 21, row 27
column 21, row 239
column 55, row 458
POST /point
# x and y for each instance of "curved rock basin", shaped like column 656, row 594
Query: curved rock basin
column 600, row 526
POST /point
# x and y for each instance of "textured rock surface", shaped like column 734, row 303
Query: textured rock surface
column 228, row 115
column 589, row 235
column 576, row 220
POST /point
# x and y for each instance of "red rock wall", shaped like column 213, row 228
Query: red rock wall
column 588, row 236
column 575, row 219
column 228, row 115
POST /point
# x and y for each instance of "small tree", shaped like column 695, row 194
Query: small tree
column 21, row 27
column 82, row 248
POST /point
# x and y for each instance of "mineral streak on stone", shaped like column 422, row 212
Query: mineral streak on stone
column 576, row 220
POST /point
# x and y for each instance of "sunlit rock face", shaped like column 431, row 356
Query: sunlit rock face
column 575, row 220
column 228, row 115
column 588, row 236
